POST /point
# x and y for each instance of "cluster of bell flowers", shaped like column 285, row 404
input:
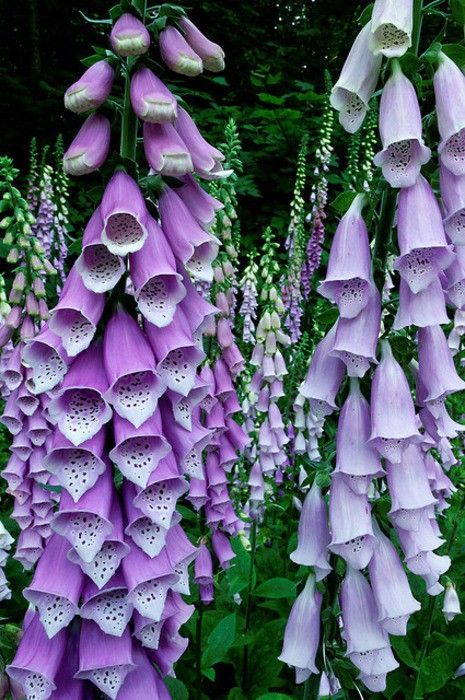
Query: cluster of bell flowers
column 385, row 439
column 119, row 374
column 6, row 540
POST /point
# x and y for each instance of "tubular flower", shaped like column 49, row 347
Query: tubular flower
column 90, row 147
column 449, row 91
column 92, row 88
column 391, row 27
column 129, row 37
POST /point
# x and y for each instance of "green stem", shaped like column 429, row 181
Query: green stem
column 198, row 651
column 248, row 610
column 383, row 234
column 129, row 121
column 312, row 687
column 417, row 23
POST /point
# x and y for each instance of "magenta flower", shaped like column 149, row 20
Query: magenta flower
column 90, row 147
column 165, row 150
column 150, row 98
column 206, row 159
column 124, row 215
column 99, row 268
column 211, row 54
column 92, row 88
column 129, row 36
column 177, row 54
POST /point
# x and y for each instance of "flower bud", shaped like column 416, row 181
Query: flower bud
column 129, row 37
column 89, row 149
column 177, row 54
column 150, row 98
column 211, row 54
column 92, row 88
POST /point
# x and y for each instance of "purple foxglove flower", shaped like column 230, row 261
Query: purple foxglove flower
column 222, row 548
column 437, row 372
column 11, row 416
column 144, row 681
column 367, row 642
column 102, row 661
column 211, row 54
column 356, row 83
column 351, row 526
column 124, row 215
column 86, row 524
column 324, row 377
column 76, row 315
column 14, row 472
column 424, row 308
column 108, row 606
column 176, row 355
column 393, row 423
column 138, row 450
column 181, row 553
column 206, row 159
column 391, row 27
column 100, row 270
column 198, row 311
column 191, row 245
column 148, row 581
column 158, row 287
column 400, row 128
column 313, row 535
column 177, row 54
column 12, row 375
column 79, row 408
column 203, row 567
column 451, row 604
column 356, row 459
column 201, row 205
column 76, row 468
column 158, row 499
column 302, row 634
column 56, row 587
column 453, row 199
column 183, row 406
column 129, row 36
column 92, row 88
column 21, row 446
column 197, row 493
column 28, row 548
column 187, row 445
column 427, row 564
column 106, row 562
column 147, row 535
column 26, row 402
column 134, row 387
column 449, row 91
column 150, row 98
column 422, row 255
column 172, row 646
column 357, row 338
column 165, row 150
column 348, row 281
column 37, row 429
column 47, row 358
column 455, row 276
column 37, row 660
column 394, row 600
column 90, row 147
column 409, row 489
column 237, row 435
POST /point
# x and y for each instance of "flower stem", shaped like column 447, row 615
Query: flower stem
column 383, row 234
column 248, row 609
column 129, row 121
column 417, row 23
column 198, row 651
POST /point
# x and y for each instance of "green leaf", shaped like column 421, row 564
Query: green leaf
column 177, row 689
column 456, row 52
column 343, row 201
column 440, row 665
column 458, row 10
column 220, row 641
column 274, row 696
column 366, row 14
column 276, row 588
column 403, row 652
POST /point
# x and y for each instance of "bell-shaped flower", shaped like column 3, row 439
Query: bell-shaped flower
column 357, row 338
column 206, row 159
column 102, row 661
column 348, row 282
column 409, row 490
column 324, row 377
column 425, row 252
column 158, row 499
column 134, row 387
column 100, row 270
column 437, row 371
column 367, row 642
column 129, row 36
column 356, row 459
column 92, row 88
column 313, row 534
column 56, row 587
column 150, row 98
column 144, row 681
column 181, row 552
column 357, row 82
column 47, row 358
column 449, row 92
column 188, row 445
column 11, row 416
column 79, row 408
column 351, row 526
column 108, row 606
column 148, row 580
column 453, row 199
column 165, row 151
column 191, row 245
column 149, row 536
column 390, row 586
column 400, row 129
column 211, row 54
column 393, row 422
column 90, row 147
column 302, row 633
column 391, row 27
column 424, row 308
column 177, row 54
column 37, row 660
column 455, row 280
column 203, row 566
column 200, row 203
column 451, row 604
column 222, row 548
column 124, row 215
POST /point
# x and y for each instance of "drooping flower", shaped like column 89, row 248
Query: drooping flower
column 178, row 54
column 90, row 147
column 129, row 36
column 449, row 91
column 92, row 88
column 211, row 54
column 391, row 27
column 150, row 98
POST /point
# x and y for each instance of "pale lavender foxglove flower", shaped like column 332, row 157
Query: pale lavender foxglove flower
column 455, row 276
column 351, row 525
column 356, row 83
column 207, row 160
column 313, row 535
column 437, row 372
column 99, row 268
column 324, row 377
column 211, row 54
column 90, row 147
column 424, row 308
column 451, row 604
column 222, row 548
column 92, row 88
column 453, row 199
column 449, row 91
column 348, row 282
column 201, row 205
column 302, row 633
column 124, row 215
column 424, row 251
column 400, row 128
column 409, row 489
column 150, row 98
column 129, row 37
column 391, row 27
column 356, row 338
column 165, row 150
column 177, row 54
